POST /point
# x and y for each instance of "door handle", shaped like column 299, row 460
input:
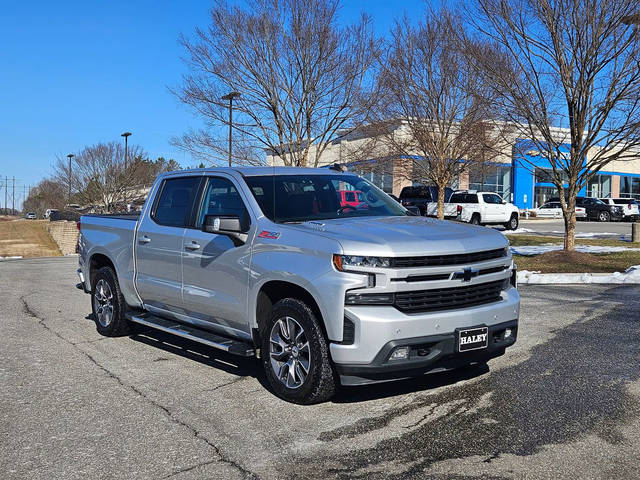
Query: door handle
column 144, row 239
column 192, row 246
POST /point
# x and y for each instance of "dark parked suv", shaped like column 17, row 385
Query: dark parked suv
column 596, row 209
column 421, row 195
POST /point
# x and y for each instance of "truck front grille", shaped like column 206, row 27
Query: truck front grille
column 443, row 260
column 448, row 298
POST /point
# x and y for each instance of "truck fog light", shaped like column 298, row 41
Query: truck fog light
column 507, row 332
column 400, row 353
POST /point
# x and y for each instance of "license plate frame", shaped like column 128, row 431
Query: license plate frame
column 470, row 346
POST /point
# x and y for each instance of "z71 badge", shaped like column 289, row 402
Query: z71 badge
column 267, row 234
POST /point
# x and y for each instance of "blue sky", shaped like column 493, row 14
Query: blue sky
column 74, row 73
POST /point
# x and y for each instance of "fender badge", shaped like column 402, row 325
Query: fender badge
column 267, row 234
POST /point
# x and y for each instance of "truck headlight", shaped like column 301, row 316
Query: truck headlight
column 343, row 262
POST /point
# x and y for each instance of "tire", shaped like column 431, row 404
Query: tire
column 281, row 357
column 604, row 216
column 475, row 219
column 108, row 304
column 513, row 223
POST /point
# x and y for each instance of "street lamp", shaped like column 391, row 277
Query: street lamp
column 230, row 96
column 70, row 156
column 126, row 136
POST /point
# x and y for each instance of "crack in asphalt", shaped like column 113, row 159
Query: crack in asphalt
column 222, row 385
column 194, row 431
column 424, row 417
column 573, row 384
column 188, row 469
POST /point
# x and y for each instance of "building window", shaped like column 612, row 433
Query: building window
column 630, row 187
column 491, row 178
column 599, row 186
column 545, row 175
column 378, row 173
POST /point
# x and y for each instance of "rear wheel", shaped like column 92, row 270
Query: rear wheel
column 475, row 219
column 513, row 223
column 604, row 216
column 108, row 304
column 295, row 354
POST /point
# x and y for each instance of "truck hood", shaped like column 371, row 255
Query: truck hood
column 405, row 236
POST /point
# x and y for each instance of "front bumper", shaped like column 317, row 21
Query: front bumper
column 429, row 354
column 377, row 327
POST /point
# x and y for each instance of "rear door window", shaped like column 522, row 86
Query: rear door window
column 491, row 198
column 175, row 202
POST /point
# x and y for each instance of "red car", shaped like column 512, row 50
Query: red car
column 350, row 198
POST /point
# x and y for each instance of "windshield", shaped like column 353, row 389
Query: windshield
column 299, row 198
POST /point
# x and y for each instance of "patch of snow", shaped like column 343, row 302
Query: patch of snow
column 529, row 250
column 517, row 230
column 587, row 234
column 9, row 258
column 630, row 276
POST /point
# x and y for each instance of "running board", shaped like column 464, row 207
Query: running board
column 235, row 347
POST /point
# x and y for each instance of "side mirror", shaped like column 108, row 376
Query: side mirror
column 504, row 202
column 230, row 225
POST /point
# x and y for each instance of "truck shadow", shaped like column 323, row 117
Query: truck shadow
column 251, row 367
column 425, row 382
column 211, row 357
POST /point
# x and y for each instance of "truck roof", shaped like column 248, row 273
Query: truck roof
column 261, row 171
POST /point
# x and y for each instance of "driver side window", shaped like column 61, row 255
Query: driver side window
column 221, row 198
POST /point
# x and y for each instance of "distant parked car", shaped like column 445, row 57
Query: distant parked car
column 554, row 210
column 48, row 212
column 629, row 207
column 350, row 198
column 479, row 208
column 412, row 208
column 597, row 209
column 31, row 216
column 420, row 196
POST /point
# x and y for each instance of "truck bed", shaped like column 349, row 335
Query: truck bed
column 113, row 236
column 122, row 216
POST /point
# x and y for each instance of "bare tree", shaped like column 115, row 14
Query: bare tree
column 300, row 74
column 440, row 109
column 572, row 64
column 99, row 176
column 48, row 194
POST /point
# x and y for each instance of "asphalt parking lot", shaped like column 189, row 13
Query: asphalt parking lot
column 563, row 403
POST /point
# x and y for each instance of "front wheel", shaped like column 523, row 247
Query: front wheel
column 108, row 304
column 604, row 216
column 295, row 354
column 512, row 224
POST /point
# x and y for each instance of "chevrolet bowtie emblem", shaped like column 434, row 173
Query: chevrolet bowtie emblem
column 466, row 275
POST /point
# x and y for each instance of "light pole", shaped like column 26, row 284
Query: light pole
column 126, row 136
column 70, row 156
column 230, row 96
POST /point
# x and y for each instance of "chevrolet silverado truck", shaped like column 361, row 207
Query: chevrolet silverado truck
column 266, row 262
column 478, row 208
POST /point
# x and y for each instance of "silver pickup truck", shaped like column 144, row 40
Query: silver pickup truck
column 274, row 262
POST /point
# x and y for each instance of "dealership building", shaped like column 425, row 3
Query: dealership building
column 520, row 174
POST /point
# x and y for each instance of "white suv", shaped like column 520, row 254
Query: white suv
column 479, row 208
column 629, row 207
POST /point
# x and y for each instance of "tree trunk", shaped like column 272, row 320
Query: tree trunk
column 569, row 214
column 441, row 189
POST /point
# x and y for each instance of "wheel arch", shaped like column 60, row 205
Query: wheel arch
column 98, row 261
column 271, row 292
